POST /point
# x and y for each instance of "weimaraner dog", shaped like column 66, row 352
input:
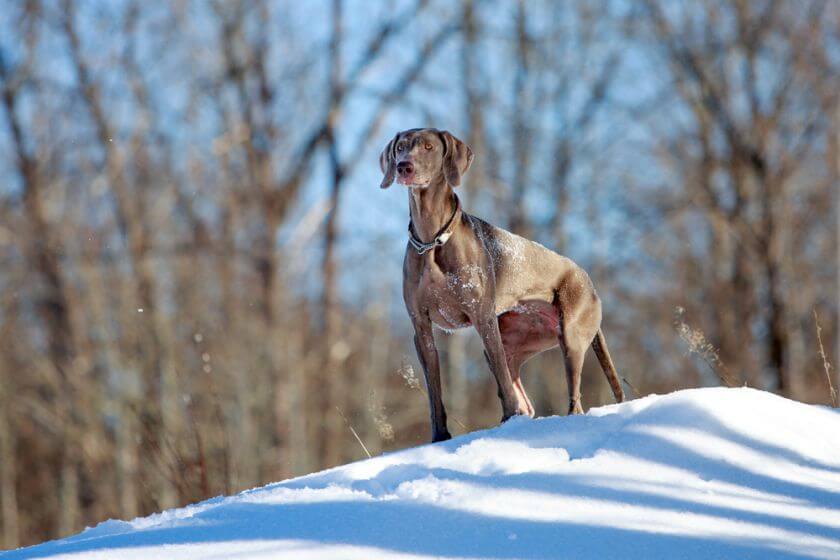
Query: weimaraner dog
column 460, row 271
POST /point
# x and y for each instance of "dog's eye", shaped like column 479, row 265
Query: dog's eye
column 400, row 147
column 428, row 146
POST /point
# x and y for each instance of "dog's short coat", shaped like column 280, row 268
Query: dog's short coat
column 460, row 271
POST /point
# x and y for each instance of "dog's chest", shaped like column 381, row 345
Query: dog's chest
column 451, row 295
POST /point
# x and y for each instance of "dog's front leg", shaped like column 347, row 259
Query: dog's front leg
column 424, row 342
column 488, row 329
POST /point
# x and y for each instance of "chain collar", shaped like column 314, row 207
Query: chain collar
column 442, row 236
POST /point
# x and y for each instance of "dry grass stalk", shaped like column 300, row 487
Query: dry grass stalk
column 826, row 363
column 355, row 434
column 632, row 387
column 411, row 379
column 698, row 344
column 380, row 418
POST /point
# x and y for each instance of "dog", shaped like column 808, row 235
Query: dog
column 460, row 271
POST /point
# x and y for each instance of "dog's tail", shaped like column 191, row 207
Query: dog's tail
column 599, row 345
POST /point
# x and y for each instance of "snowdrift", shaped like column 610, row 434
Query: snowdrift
column 705, row 473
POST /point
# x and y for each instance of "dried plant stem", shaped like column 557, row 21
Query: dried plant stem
column 355, row 434
column 697, row 344
column 632, row 387
column 407, row 373
column 454, row 419
column 826, row 363
column 380, row 418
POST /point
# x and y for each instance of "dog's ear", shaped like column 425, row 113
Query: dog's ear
column 388, row 163
column 457, row 158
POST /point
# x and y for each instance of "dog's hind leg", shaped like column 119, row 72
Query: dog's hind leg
column 574, row 349
column 573, row 357
column 515, row 365
column 526, row 333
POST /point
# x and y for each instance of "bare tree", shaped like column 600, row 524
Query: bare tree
column 187, row 303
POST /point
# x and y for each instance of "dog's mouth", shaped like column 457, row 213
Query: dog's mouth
column 413, row 182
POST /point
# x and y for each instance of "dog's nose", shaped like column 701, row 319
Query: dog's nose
column 405, row 168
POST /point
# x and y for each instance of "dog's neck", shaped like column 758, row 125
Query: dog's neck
column 431, row 208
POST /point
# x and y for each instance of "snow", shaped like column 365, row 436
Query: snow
column 703, row 473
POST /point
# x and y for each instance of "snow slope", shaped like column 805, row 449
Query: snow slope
column 705, row 473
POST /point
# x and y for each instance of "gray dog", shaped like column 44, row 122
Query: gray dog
column 460, row 271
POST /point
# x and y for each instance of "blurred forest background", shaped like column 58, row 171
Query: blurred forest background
column 200, row 278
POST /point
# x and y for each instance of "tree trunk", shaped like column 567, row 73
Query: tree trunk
column 8, row 472
column 53, row 309
column 156, row 341
column 334, row 344
column 521, row 139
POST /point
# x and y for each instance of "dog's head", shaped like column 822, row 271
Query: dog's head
column 417, row 157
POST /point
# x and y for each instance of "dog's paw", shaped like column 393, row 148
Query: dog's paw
column 575, row 408
column 517, row 413
column 442, row 436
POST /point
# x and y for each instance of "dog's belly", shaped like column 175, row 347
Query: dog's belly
column 529, row 328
